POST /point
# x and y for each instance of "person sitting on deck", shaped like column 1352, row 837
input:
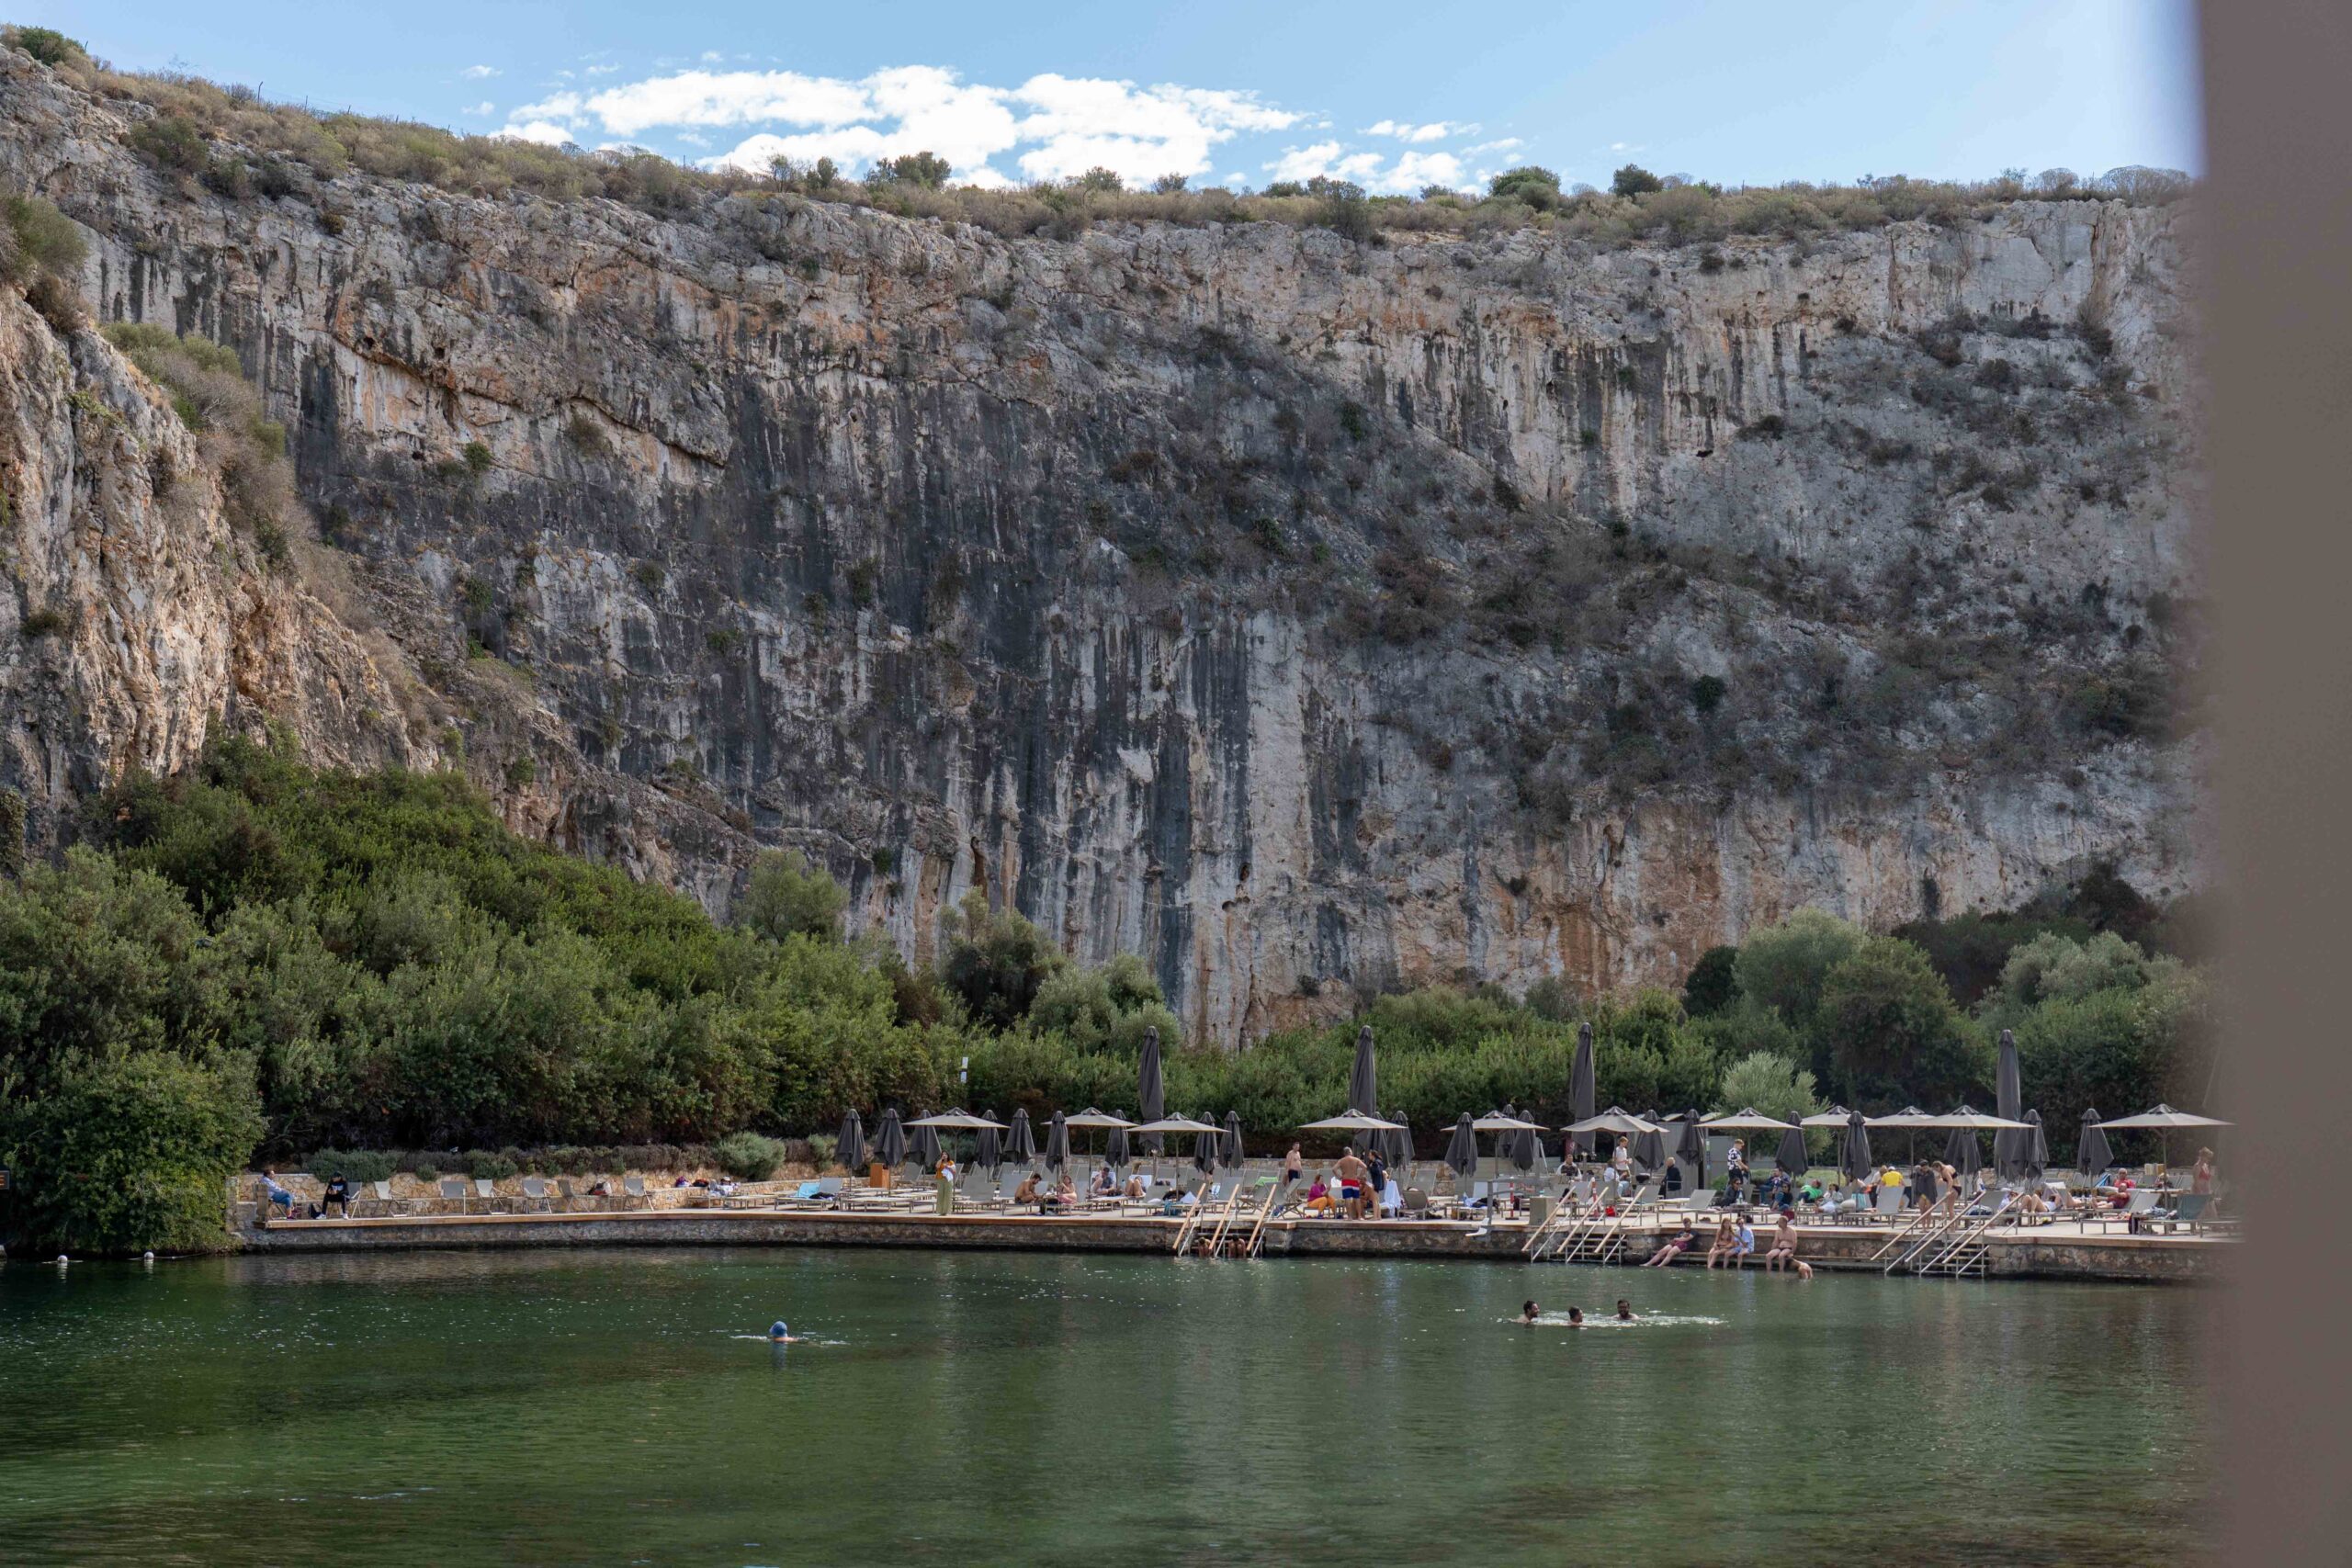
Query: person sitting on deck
column 1064, row 1195
column 1675, row 1245
column 1318, row 1197
column 1726, row 1238
column 1810, row 1193
column 1104, row 1184
column 275, row 1192
column 1785, row 1245
column 338, row 1195
column 1742, row 1242
column 1776, row 1189
column 1027, row 1192
column 1136, row 1187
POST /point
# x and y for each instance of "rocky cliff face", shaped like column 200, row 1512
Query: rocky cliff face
column 1305, row 614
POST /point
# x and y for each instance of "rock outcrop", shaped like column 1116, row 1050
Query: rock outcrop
column 1302, row 614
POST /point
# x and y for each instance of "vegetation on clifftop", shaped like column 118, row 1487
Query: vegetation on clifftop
column 259, row 958
column 239, row 144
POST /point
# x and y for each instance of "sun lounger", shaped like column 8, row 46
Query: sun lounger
column 487, row 1190
column 453, row 1190
column 2143, row 1204
column 381, row 1200
column 535, row 1194
column 633, row 1189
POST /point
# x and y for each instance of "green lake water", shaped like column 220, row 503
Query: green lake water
column 434, row 1410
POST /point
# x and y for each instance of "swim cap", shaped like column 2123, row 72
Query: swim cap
column 776, row 1330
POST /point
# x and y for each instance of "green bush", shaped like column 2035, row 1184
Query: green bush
column 788, row 896
column 127, row 1152
column 47, row 45
column 747, row 1157
column 489, row 1167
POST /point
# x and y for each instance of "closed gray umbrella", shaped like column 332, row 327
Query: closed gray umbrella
column 1115, row 1152
column 1057, row 1144
column 1462, row 1149
column 1791, row 1155
column 1152, row 1090
column 1363, row 1078
column 1854, row 1153
column 850, row 1148
column 990, row 1156
column 2009, row 1145
column 2036, row 1147
column 1230, row 1154
column 1692, row 1148
column 1964, row 1154
column 1398, row 1145
column 1649, row 1148
column 1204, row 1150
column 1580, row 1090
column 1021, row 1143
column 2091, row 1154
column 924, row 1147
column 1520, row 1147
column 890, row 1141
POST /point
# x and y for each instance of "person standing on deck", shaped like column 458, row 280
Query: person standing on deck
column 1352, row 1172
column 1293, row 1164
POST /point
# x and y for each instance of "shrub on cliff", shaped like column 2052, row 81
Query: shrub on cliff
column 786, row 896
column 209, row 391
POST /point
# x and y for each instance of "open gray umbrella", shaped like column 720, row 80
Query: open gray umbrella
column 1692, row 1148
column 1363, row 1078
column 1229, row 1152
column 2092, row 1156
column 1019, row 1143
column 1964, row 1153
column 1791, row 1155
column 1057, row 1144
column 1152, row 1090
column 1580, row 1090
column 890, row 1141
column 923, row 1147
column 1854, row 1150
column 990, row 1154
column 2009, row 1145
column 1462, row 1149
column 850, row 1148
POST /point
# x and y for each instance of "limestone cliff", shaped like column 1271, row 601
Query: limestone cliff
column 1303, row 614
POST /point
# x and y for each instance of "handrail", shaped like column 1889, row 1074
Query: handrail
column 1918, row 1219
column 1193, row 1217
column 1225, row 1220
column 1265, row 1213
column 1969, row 1235
column 1937, row 1219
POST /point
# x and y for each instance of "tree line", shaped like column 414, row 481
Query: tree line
column 257, row 959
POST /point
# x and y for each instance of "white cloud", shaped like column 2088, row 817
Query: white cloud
column 1406, row 130
column 1414, row 170
column 478, row 73
column 599, row 70
column 1056, row 126
column 733, row 98
column 482, row 109
column 1503, row 144
column 538, row 130
column 1625, row 147
column 1325, row 160
column 711, row 57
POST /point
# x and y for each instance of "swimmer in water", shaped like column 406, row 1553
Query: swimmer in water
column 1624, row 1310
column 780, row 1335
column 1576, row 1317
column 1528, row 1314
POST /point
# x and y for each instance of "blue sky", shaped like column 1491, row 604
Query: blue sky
column 1394, row 96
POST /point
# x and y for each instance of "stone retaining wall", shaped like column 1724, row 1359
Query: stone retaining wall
column 2064, row 1255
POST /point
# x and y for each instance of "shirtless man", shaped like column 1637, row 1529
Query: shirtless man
column 1351, row 1173
column 1785, row 1246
